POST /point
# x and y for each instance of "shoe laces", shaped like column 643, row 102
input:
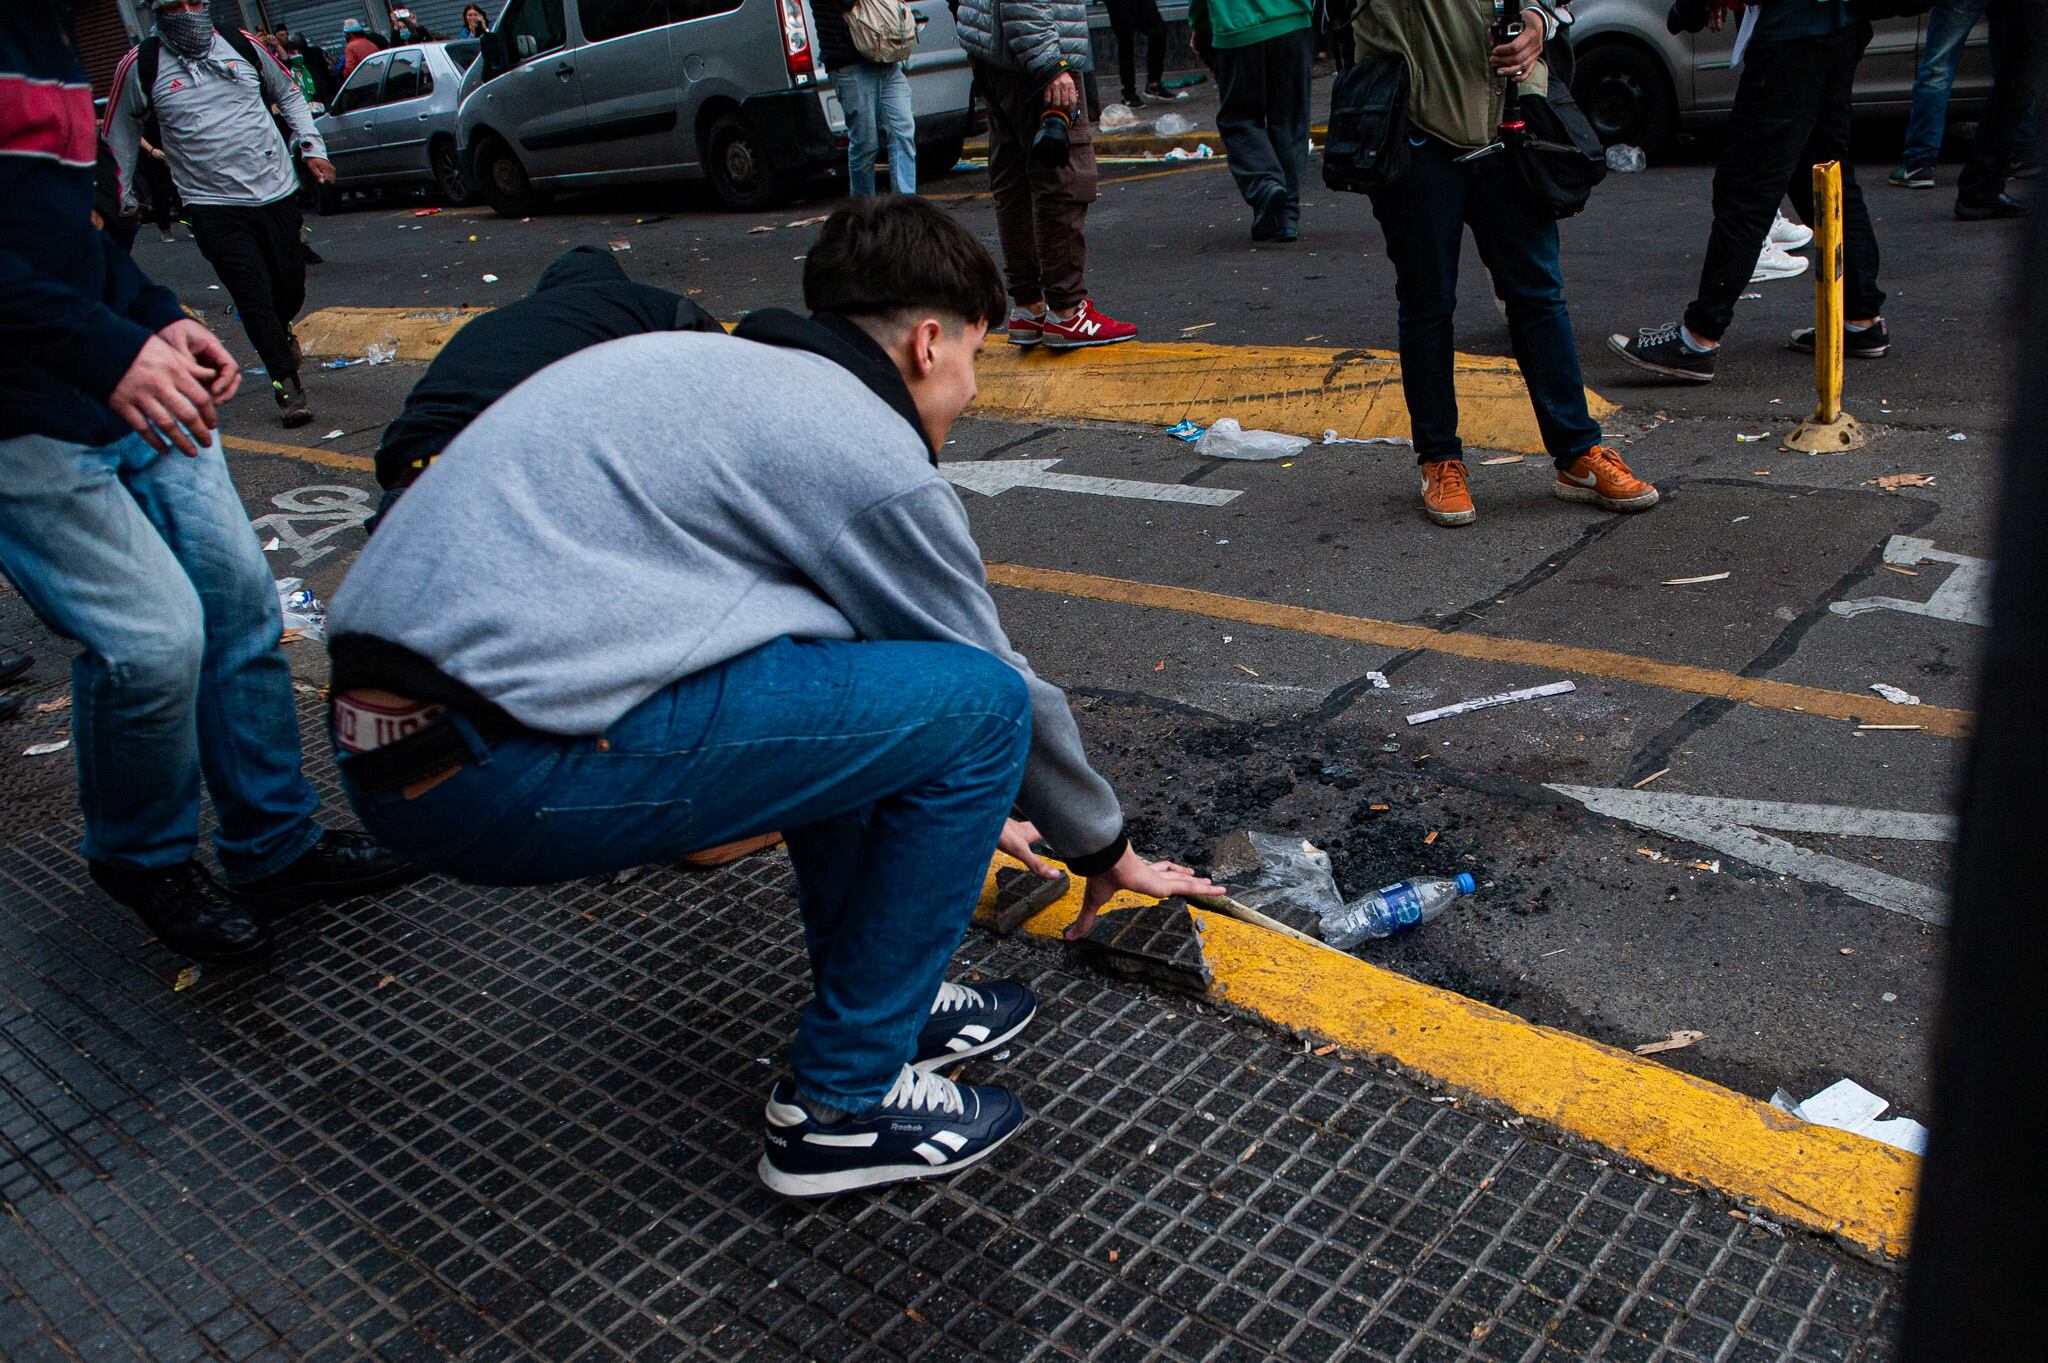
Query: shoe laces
column 917, row 1090
column 953, row 997
column 1658, row 335
column 1601, row 457
column 1451, row 476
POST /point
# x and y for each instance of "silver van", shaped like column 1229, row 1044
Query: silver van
column 393, row 122
column 1640, row 84
column 573, row 94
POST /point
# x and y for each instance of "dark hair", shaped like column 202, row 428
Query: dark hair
column 899, row 254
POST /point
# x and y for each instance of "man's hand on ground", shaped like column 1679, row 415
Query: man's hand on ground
column 1154, row 879
column 163, row 396
column 323, row 169
column 1063, row 94
column 1018, row 836
column 205, row 347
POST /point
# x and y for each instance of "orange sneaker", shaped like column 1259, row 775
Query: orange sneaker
column 1446, row 493
column 1599, row 476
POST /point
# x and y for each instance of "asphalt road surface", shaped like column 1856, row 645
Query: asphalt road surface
column 1210, row 724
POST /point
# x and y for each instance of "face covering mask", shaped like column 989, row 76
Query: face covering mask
column 188, row 34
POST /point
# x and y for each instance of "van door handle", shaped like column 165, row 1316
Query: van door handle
column 564, row 71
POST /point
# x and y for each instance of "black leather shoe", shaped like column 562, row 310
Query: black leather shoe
column 340, row 866
column 10, row 706
column 13, row 662
column 2004, row 206
column 186, row 910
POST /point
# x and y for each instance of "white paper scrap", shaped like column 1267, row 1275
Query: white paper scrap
column 45, row 749
column 1895, row 695
column 1488, row 702
column 1379, row 681
column 1846, row 1105
column 490, row 279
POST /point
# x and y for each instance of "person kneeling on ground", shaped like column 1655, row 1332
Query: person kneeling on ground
column 716, row 610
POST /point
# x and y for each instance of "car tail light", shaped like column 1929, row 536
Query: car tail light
column 796, row 42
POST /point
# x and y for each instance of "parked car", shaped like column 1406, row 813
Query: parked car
column 1640, row 84
column 585, row 93
column 393, row 122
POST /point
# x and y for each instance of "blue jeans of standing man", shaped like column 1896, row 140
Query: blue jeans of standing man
column 148, row 561
column 876, row 99
column 890, row 768
column 1424, row 215
column 1941, row 50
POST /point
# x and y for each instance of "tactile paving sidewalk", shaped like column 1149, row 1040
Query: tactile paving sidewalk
column 487, row 1124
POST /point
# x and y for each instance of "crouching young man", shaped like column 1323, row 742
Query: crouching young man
column 728, row 591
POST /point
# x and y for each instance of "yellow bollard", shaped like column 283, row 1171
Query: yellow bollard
column 1829, row 429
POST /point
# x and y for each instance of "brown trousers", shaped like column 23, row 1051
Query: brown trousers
column 1041, row 212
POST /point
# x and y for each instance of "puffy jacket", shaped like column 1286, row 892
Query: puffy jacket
column 1039, row 37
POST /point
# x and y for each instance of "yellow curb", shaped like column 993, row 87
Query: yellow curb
column 1698, row 681
column 1813, row 1176
column 1300, row 389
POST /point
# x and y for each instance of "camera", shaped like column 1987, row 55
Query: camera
column 1050, row 148
column 1506, row 27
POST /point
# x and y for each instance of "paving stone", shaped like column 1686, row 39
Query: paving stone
column 1157, row 944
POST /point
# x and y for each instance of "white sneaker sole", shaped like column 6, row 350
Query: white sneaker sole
column 1770, row 274
column 1023, row 341
column 941, row 1061
column 1051, row 344
column 853, row 1180
column 1572, row 492
column 1791, row 243
column 1451, row 517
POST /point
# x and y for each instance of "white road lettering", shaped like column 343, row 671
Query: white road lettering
column 993, row 477
column 331, row 507
column 1730, row 827
column 1964, row 598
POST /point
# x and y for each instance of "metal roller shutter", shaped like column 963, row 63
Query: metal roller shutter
column 320, row 20
column 103, row 39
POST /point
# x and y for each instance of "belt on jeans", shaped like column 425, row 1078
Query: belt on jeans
column 424, row 758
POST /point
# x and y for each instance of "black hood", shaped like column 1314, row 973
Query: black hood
column 581, row 265
column 843, row 342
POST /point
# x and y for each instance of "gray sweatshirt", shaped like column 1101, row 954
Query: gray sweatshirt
column 218, row 136
column 655, row 506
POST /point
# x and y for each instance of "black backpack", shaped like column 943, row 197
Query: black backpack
column 151, row 54
column 1366, row 146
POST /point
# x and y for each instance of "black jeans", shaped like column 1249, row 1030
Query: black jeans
column 1791, row 113
column 256, row 252
column 1263, row 119
column 1130, row 18
column 1424, row 215
column 2016, row 27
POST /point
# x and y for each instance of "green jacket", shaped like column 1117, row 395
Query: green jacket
column 1240, row 23
column 1452, row 91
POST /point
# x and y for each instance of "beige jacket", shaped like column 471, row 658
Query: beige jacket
column 1452, row 91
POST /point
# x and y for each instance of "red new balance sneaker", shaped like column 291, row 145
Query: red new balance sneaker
column 1088, row 326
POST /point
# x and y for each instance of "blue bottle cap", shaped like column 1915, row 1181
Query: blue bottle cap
column 1466, row 884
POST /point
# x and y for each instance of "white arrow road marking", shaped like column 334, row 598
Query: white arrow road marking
column 1730, row 827
column 1964, row 598
column 993, row 477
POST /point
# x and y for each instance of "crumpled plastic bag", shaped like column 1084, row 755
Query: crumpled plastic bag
column 303, row 611
column 1293, row 873
column 1623, row 159
column 1171, row 125
column 1115, row 116
column 1228, row 440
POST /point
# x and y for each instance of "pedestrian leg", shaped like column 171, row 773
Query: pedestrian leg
column 234, row 242
column 1289, row 61
column 860, row 98
column 1009, row 182
column 248, row 726
column 1241, row 122
column 899, row 127
column 1422, row 215
column 1060, row 196
column 1123, row 21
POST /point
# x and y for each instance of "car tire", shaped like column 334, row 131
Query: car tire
column 504, row 181
column 450, row 180
column 1626, row 95
column 936, row 159
column 741, row 173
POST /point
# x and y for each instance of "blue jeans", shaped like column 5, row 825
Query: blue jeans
column 1424, row 215
column 888, row 766
column 1941, row 49
column 148, row 561
column 876, row 99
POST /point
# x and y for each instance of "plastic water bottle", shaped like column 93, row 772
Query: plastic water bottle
column 1397, row 908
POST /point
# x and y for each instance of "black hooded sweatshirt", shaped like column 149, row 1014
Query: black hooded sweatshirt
column 583, row 299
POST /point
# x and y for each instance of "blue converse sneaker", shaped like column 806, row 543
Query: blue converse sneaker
column 967, row 1020
column 927, row 1127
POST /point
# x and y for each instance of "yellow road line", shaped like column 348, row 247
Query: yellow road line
column 1698, row 681
column 1827, row 1180
column 1303, row 389
column 333, row 459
